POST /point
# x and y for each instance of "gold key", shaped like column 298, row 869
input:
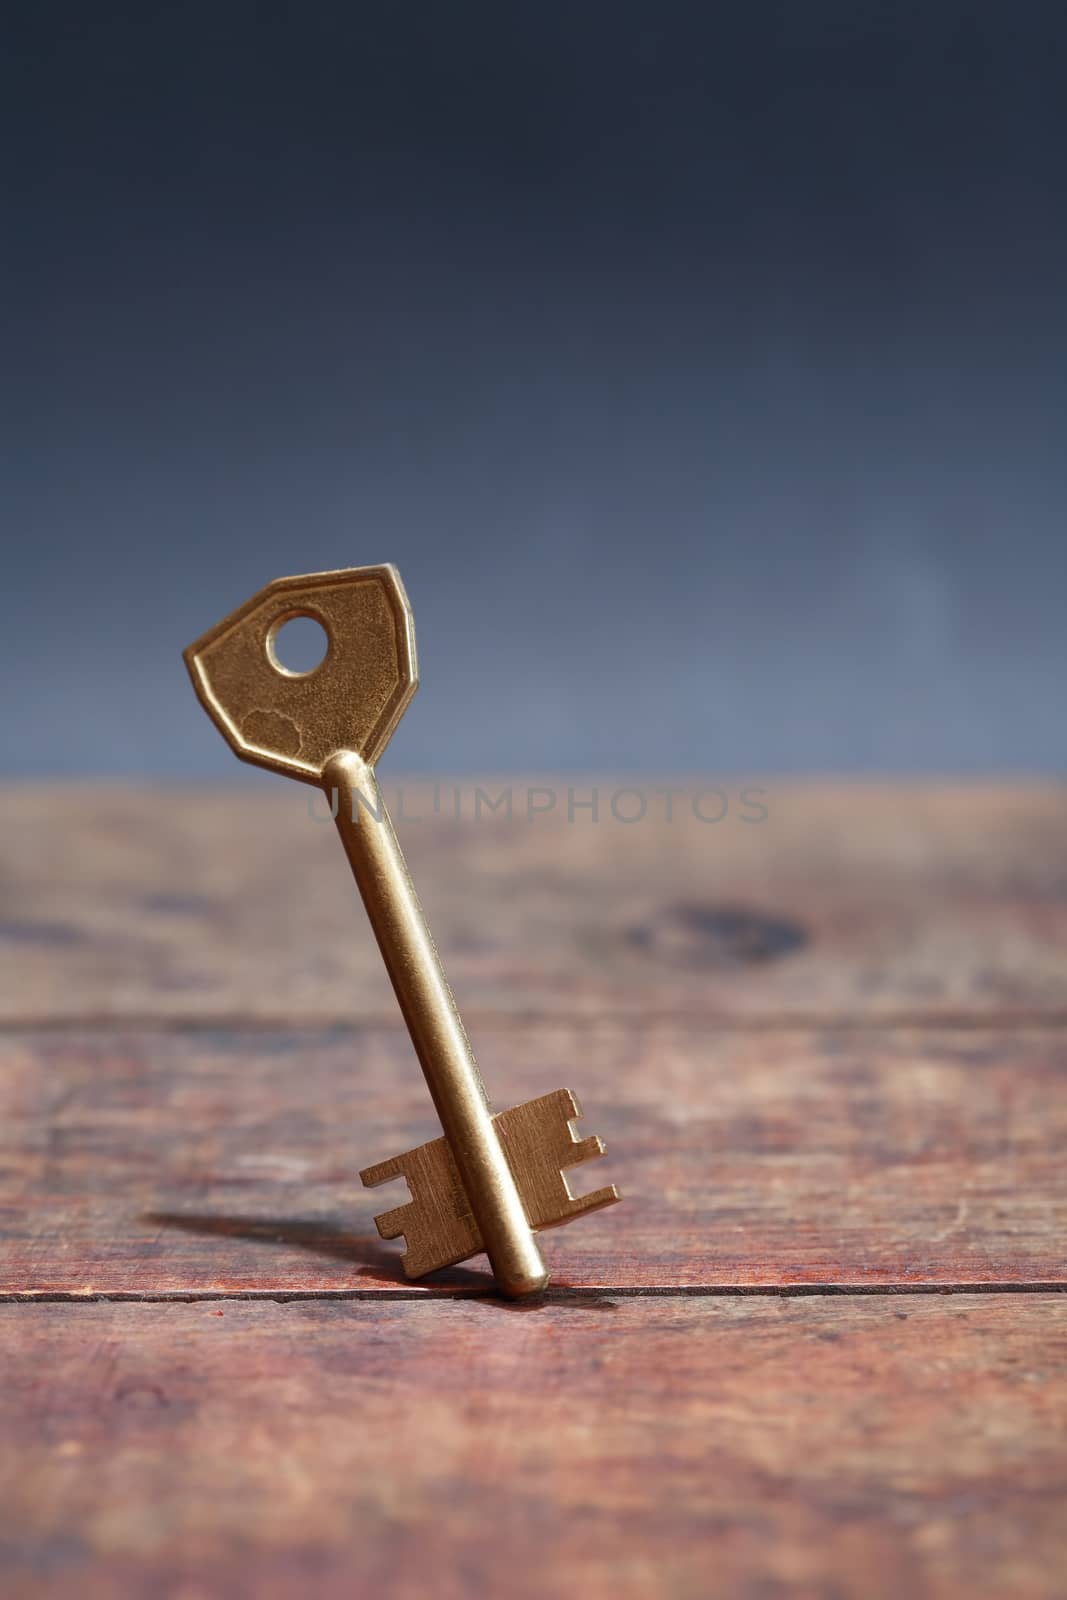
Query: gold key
column 491, row 1181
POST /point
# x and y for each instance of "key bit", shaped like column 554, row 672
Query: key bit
column 490, row 1182
column 437, row 1223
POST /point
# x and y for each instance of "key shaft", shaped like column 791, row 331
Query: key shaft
column 433, row 1021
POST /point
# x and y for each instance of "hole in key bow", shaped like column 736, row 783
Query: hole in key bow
column 304, row 641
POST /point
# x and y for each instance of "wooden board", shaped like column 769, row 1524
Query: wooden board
column 887, row 902
column 612, row 1449
column 818, row 1352
column 220, row 1162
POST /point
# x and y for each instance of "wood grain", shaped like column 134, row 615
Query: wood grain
column 222, row 1162
column 674, row 1448
column 828, row 1053
column 874, row 902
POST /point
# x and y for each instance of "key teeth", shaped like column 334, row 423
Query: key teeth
column 589, row 1144
column 390, row 1225
column 393, row 1225
column 576, row 1105
column 583, row 1205
column 588, row 1148
column 585, row 1150
column 541, row 1146
column 584, row 1147
column 435, row 1223
column 384, row 1172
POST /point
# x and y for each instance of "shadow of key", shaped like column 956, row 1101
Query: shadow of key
column 321, row 1237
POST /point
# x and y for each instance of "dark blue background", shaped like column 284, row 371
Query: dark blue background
column 703, row 367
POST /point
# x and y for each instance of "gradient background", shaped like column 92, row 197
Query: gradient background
column 703, row 368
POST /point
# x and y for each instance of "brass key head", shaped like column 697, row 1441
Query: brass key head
column 293, row 722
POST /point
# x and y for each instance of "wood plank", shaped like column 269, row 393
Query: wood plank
column 892, row 902
column 219, row 1162
column 614, row 1449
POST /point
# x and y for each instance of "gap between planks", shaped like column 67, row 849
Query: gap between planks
column 789, row 1291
